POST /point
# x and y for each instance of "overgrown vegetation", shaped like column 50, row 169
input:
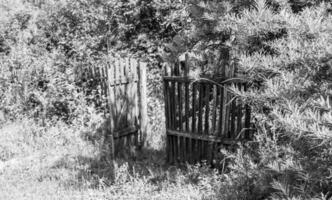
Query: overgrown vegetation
column 283, row 48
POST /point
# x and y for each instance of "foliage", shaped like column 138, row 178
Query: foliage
column 85, row 31
column 88, row 28
column 34, row 82
column 283, row 49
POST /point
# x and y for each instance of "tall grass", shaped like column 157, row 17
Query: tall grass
column 49, row 151
column 58, row 162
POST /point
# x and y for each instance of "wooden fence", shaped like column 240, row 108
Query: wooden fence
column 122, row 81
column 201, row 115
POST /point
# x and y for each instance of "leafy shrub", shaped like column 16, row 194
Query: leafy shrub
column 282, row 47
column 283, row 50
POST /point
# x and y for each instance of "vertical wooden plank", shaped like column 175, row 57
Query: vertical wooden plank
column 247, row 117
column 121, row 70
column 207, row 108
column 170, row 149
column 181, row 149
column 200, row 145
column 107, row 84
column 231, row 110
column 171, row 66
column 184, row 149
column 178, row 114
column 117, row 103
column 239, row 114
column 171, row 105
column 190, row 151
column 121, row 101
column 186, row 102
column 194, row 146
column 130, row 93
column 168, row 155
column 135, row 82
column 187, row 149
column 174, row 148
column 166, row 103
column 186, row 110
column 214, row 108
column 198, row 150
column 205, row 118
column 194, row 151
column 174, row 105
column 165, row 67
column 208, row 151
column 128, row 68
column 221, row 111
column 224, row 111
column 228, row 109
column 213, row 154
column 232, row 117
column 180, row 103
column 203, row 145
column 175, row 97
column 137, row 102
column 125, row 92
column 130, row 144
column 194, row 94
column 187, row 106
column 200, row 108
column 111, row 92
column 143, row 101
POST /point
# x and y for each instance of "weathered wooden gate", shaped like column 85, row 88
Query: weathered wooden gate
column 202, row 114
column 122, row 81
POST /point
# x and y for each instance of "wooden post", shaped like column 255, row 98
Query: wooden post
column 110, row 69
column 143, row 102
column 111, row 100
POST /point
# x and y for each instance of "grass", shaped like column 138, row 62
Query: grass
column 56, row 162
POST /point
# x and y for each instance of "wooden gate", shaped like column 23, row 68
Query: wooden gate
column 202, row 115
column 122, row 81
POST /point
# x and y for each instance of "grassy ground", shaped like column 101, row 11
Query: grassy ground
column 56, row 162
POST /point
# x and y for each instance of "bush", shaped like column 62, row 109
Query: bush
column 283, row 49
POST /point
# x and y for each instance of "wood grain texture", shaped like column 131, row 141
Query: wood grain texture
column 201, row 114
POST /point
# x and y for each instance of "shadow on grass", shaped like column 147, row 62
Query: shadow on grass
column 105, row 171
column 101, row 169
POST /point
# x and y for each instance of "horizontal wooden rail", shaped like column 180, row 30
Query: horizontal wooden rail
column 221, row 81
column 123, row 83
column 125, row 132
column 209, row 138
column 203, row 113
column 119, row 85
